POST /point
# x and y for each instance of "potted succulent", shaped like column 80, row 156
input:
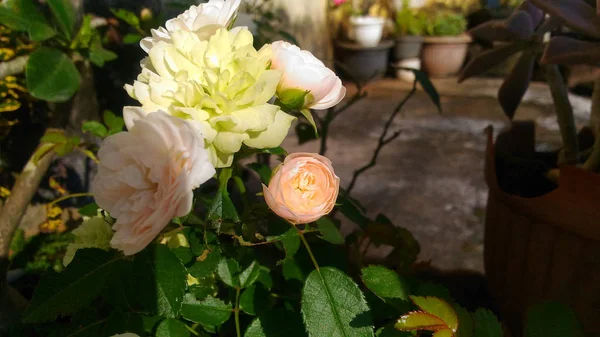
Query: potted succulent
column 542, row 232
column 445, row 44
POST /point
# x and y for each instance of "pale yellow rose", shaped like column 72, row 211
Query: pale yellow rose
column 303, row 72
column 146, row 177
column 303, row 188
column 203, row 20
column 224, row 84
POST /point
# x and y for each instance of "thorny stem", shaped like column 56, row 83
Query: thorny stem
column 383, row 139
column 564, row 114
column 237, row 312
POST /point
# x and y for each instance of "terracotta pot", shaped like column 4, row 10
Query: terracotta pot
column 546, row 247
column 443, row 56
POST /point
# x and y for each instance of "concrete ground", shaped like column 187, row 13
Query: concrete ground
column 430, row 179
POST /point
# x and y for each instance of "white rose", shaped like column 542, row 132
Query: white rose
column 204, row 20
column 303, row 72
column 146, row 177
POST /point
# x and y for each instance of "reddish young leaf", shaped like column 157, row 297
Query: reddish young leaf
column 493, row 30
column 515, row 85
column 536, row 15
column 438, row 308
column 520, row 25
column 564, row 50
column 443, row 333
column 489, row 60
column 574, row 13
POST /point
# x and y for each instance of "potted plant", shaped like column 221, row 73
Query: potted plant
column 359, row 49
column 445, row 44
column 410, row 25
column 541, row 230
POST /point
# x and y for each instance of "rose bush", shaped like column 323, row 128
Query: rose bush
column 195, row 256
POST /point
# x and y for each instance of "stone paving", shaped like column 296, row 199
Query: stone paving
column 430, row 179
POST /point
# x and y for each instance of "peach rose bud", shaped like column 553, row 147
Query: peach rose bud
column 303, row 188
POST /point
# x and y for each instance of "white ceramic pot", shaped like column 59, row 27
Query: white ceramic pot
column 407, row 75
column 367, row 30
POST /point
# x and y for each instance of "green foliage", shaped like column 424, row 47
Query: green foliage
column 209, row 312
column 410, row 22
column 65, row 293
column 95, row 128
column 445, row 23
column 330, row 231
column 276, row 323
column 164, row 292
column 51, row 75
column 172, row 328
column 486, row 324
column 89, row 210
column 115, row 123
column 65, row 16
column 552, row 319
column 333, row 305
column 385, row 283
column 222, row 208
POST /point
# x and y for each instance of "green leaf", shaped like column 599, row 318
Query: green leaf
column 89, row 210
column 68, row 147
column 333, row 305
column 206, row 264
column 330, row 232
column 389, row 331
column 99, row 55
column 168, row 279
column 85, row 34
column 211, row 311
column 39, row 31
column 290, row 241
column 115, row 124
column 552, row 319
column 12, row 20
column 74, row 288
column 228, row 270
column 51, row 75
column 305, row 132
column 54, row 138
column 351, row 210
column 65, row 16
column 293, row 271
column 263, row 171
column 172, row 328
column 129, row 17
column 132, row 38
column 433, row 289
column 438, row 308
column 277, row 323
column 419, row 320
column 465, row 322
column 95, row 128
column 249, row 275
column 308, row 115
column 486, row 324
column 385, row 283
column 222, row 208
column 255, row 299
column 41, row 151
column 427, row 86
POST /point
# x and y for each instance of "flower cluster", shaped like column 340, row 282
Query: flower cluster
column 204, row 93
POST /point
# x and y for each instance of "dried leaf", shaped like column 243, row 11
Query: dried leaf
column 515, row 86
column 564, row 50
column 574, row 13
column 489, row 60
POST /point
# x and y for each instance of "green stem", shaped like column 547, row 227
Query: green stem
column 564, row 114
column 307, row 246
column 237, row 312
column 74, row 195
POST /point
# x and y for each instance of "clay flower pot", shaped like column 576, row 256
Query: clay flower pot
column 546, row 247
column 367, row 30
column 444, row 56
